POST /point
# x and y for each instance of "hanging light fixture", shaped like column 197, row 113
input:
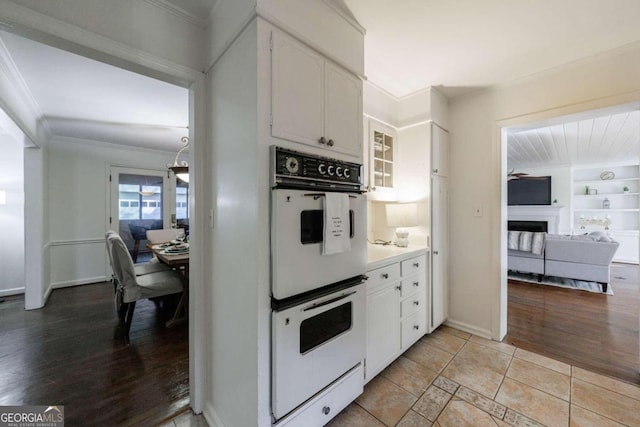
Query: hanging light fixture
column 181, row 169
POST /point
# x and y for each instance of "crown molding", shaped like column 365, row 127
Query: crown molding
column 9, row 68
column 179, row 12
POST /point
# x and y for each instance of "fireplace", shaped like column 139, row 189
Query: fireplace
column 534, row 226
column 549, row 215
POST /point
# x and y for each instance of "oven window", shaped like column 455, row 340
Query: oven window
column 321, row 328
column 312, row 226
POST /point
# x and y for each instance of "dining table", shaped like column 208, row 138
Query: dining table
column 179, row 259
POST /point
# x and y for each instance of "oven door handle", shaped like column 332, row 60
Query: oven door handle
column 329, row 301
column 316, row 196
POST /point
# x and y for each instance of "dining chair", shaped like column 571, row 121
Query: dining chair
column 163, row 235
column 141, row 269
column 131, row 287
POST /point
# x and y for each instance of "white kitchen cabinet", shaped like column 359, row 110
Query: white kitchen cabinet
column 382, row 148
column 396, row 311
column 314, row 101
column 440, row 251
column 439, row 151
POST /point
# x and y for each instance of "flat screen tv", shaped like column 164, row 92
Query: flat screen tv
column 529, row 191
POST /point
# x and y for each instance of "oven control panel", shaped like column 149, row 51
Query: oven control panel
column 295, row 169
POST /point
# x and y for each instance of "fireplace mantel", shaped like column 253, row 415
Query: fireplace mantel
column 548, row 213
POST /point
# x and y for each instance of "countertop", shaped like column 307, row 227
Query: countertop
column 381, row 255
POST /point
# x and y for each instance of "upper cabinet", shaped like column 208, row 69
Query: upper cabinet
column 382, row 149
column 314, row 102
column 439, row 151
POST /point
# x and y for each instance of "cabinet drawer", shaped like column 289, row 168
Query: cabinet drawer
column 413, row 328
column 322, row 408
column 413, row 265
column 413, row 284
column 382, row 276
column 410, row 305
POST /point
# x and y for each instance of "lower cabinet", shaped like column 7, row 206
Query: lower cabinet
column 396, row 311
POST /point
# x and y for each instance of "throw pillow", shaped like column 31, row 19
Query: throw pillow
column 526, row 238
column 537, row 243
column 513, row 240
column 601, row 236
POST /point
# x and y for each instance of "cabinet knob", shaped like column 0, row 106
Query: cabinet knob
column 330, row 143
column 435, row 171
column 322, row 140
column 416, row 284
column 326, row 410
column 399, row 287
column 416, row 303
column 385, row 276
column 416, row 327
column 435, row 252
column 416, row 264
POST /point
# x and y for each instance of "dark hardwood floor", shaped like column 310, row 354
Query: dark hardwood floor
column 71, row 353
column 593, row 331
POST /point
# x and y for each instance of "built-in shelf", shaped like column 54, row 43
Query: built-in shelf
column 606, row 194
column 606, row 181
column 606, row 210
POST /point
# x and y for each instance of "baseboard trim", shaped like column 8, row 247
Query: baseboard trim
column 78, row 282
column 211, row 416
column 12, row 291
column 483, row 333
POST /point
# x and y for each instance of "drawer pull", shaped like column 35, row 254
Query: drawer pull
column 416, row 264
column 326, row 410
column 416, row 303
column 322, row 140
column 416, row 284
column 385, row 275
column 330, row 143
column 416, row 327
column 399, row 287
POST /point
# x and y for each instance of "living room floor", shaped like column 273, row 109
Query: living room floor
column 452, row 378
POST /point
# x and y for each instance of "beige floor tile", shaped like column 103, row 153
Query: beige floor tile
column 479, row 368
column 479, row 401
column 446, row 384
column 513, row 418
column 354, row 416
column 582, row 418
column 413, row 419
column 428, row 356
column 607, row 403
column 432, row 403
column 552, row 382
column 409, row 375
column 444, row 341
column 621, row 387
column 500, row 346
column 500, row 423
column 385, row 400
column 459, row 413
column 533, row 403
column 453, row 331
column 543, row 361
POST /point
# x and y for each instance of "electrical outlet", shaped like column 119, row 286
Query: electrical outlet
column 478, row 210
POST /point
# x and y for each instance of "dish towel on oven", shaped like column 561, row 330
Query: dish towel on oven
column 336, row 237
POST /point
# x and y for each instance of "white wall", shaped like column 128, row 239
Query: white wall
column 560, row 190
column 12, row 259
column 79, row 202
column 476, row 175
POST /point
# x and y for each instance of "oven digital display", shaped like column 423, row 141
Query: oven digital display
column 312, row 226
column 319, row 329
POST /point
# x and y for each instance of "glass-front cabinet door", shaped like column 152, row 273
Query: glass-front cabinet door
column 382, row 148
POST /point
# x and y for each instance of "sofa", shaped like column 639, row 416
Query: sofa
column 583, row 257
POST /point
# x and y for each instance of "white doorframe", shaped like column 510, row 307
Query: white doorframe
column 499, row 162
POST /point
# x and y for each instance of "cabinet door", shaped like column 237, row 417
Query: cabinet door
column 343, row 111
column 439, row 151
column 383, row 329
column 440, row 243
column 297, row 84
column 383, row 149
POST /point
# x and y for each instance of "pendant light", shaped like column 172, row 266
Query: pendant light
column 181, row 169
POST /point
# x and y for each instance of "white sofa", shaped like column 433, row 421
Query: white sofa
column 581, row 257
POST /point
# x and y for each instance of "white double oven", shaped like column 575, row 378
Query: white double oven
column 318, row 301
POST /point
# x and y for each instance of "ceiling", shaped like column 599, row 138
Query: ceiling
column 82, row 98
column 610, row 138
column 462, row 45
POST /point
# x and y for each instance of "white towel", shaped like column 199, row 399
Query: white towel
column 336, row 237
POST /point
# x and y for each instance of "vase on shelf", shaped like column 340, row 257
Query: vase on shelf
column 606, row 204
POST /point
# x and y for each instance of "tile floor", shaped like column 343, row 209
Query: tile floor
column 454, row 379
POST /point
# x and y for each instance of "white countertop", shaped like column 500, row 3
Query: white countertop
column 380, row 255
